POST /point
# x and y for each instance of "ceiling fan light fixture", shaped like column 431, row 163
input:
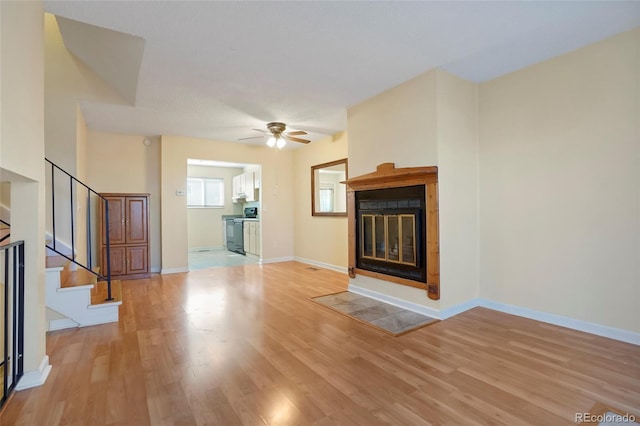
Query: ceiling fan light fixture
column 281, row 143
column 271, row 142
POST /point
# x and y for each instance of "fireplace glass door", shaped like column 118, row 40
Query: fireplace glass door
column 389, row 238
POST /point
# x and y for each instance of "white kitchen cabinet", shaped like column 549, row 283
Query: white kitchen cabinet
column 244, row 186
column 251, row 232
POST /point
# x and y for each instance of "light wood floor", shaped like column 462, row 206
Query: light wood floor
column 244, row 345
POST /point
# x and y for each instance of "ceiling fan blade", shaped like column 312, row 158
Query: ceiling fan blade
column 252, row 137
column 292, row 139
column 261, row 130
column 296, row 133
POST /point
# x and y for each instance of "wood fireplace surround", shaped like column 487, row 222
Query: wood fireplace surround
column 424, row 267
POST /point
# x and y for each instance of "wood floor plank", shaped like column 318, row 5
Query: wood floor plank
column 245, row 346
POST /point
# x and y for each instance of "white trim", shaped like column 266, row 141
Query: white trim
column 5, row 213
column 342, row 269
column 277, row 260
column 62, row 324
column 414, row 307
column 204, row 248
column 574, row 324
column 61, row 246
column 34, row 378
column 173, row 270
column 460, row 308
column 559, row 320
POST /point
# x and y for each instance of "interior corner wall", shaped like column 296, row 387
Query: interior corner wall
column 398, row 126
column 123, row 163
column 457, row 127
column 80, row 215
column 22, row 148
column 276, row 195
column 560, row 185
column 67, row 82
column 311, row 233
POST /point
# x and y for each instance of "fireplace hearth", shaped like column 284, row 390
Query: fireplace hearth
column 393, row 226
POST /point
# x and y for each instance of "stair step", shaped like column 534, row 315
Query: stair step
column 56, row 262
column 77, row 278
column 99, row 293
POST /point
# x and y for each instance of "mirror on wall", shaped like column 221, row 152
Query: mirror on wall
column 328, row 195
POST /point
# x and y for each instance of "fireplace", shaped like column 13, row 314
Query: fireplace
column 390, row 235
column 393, row 226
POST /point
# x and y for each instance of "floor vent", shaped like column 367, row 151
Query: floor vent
column 311, row 268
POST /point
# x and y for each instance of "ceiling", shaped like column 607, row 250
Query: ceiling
column 216, row 70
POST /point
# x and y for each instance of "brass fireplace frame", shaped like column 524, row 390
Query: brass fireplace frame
column 388, row 176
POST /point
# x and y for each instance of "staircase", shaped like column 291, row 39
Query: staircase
column 75, row 297
column 78, row 293
column 5, row 233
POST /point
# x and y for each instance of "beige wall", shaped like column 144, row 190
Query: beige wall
column 276, row 195
column 81, row 193
column 67, row 82
column 398, row 126
column 22, row 152
column 122, row 163
column 457, row 120
column 560, row 185
column 205, row 224
column 321, row 240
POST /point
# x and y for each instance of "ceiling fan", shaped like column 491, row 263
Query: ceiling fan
column 278, row 136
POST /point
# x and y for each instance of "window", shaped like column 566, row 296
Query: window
column 204, row 192
column 326, row 197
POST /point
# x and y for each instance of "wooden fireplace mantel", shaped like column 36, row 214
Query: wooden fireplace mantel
column 388, row 176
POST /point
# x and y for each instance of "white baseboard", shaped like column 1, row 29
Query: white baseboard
column 458, row 309
column 61, row 246
column 277, row 260
column 34, row 378
column 559, row 320
column 341, row 269
column 421, row 309
column 205, row 248
column 174, row 270
column 5, row 213
column 574, row 324
column 62, row 324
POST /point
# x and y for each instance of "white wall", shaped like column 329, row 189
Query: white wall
column 560, row 185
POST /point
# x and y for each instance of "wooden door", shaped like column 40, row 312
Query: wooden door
column 136, row 229
column 137, row 260
column 117, row 261
column 116, row 210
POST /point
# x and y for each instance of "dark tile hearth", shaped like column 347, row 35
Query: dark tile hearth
column 389, row 318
